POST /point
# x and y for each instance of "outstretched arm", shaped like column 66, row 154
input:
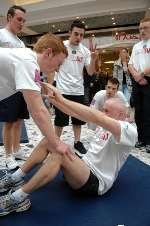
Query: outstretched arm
column 43, row 120
column 82, row 112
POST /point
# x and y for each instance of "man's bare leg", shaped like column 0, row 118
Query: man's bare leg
column 7, row 137
column 16, row 134
column 45, row 174
column 76, row 172
column 37, row 156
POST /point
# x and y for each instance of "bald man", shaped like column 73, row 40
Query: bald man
column 96, row 172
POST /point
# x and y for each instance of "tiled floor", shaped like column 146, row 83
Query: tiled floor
column 35, row 136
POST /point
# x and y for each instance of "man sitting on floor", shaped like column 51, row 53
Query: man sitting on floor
column 95, row 173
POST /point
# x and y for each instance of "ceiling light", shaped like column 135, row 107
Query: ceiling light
column 114, row 23
column 112, row 18
column 27, row 2
column 109, row 62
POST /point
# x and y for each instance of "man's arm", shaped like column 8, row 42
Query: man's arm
column 42, row 118
column 137, row 75
column 91, row 67
column 83, row 112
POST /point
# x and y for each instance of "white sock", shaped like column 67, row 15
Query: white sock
column 9, row 155
column 19, row 195
column 17, row 175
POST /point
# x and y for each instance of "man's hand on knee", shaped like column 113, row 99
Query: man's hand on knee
column 65, row 149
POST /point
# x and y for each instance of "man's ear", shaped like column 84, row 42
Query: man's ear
column 9, row 17
column 48, row 52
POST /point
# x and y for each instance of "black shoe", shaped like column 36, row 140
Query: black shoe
column 80, row 147
column 147, row 147
column 140, row 144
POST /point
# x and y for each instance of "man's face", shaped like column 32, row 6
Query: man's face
column 51, row 63
column 76, row 36
column 110, row 110
column 111, row 89
column 144, row 29
column 16, row 22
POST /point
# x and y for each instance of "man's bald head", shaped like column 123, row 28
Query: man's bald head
column 115, row 108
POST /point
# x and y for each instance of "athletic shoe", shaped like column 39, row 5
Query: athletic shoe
column 11, row 163
column 6, row 182
column 21, row 155
column 147, row 147
column 8, row 204
column 140, row 145
column 80, row 147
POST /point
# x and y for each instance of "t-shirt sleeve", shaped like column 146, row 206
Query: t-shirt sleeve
column 128, row 134
column 131, row 61
column 95, row 101
column 27, row 76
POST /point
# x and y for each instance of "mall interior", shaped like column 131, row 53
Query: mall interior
column 42, row 148
column 110, row 24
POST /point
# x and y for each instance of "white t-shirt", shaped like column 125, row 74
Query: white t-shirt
column 106, row 156
column 140, row 57
column 99, row 100
column 18, row 71
column 69, row 79
column 9, row 40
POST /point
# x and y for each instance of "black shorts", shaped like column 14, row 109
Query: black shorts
column 90, row 187
column 62, row 119
column 13, row 108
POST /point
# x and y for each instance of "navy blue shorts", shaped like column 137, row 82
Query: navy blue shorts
column 62, row 119
column 13, row 108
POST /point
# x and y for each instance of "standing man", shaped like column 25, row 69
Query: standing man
column 139, row 66
column 12, row 126
column 69, row 79
column 20, row 71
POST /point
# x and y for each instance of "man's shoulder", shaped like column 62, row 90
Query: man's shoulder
column 3, row 30
column 83, row 47
column 100, row 94
column 138, row 44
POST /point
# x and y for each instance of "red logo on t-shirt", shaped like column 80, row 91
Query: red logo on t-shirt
column 104, row 136
column 146, row 49
column 79, row 59
column 37, row 78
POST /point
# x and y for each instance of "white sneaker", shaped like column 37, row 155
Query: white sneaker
column 21, row 155
column 11, row 163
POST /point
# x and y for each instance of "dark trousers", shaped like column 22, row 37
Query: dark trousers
column 141, row 98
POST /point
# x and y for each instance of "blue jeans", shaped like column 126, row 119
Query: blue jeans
column 126, row 92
